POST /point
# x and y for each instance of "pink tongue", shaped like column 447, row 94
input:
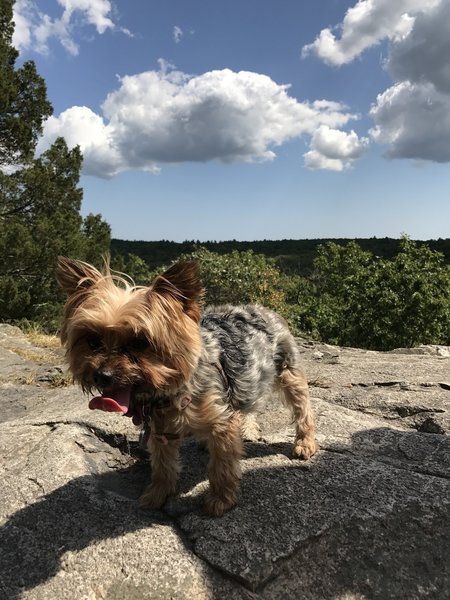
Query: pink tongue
column 118, row 401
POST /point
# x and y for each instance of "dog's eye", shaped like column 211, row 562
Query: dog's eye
column 94, row 342
column 139, row 344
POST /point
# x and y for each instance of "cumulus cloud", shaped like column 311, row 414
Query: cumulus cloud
column 95, row 12
column 80, row 126
column 34, row 29
column 167, row 116
column 364, row 25
column 22, row 15
column 414, row 121
column 423, row 56
column 334, row 149
column 412, row 117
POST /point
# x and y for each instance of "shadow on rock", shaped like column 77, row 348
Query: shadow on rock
column 369, row 518
column 72, row 517
column 342, row 523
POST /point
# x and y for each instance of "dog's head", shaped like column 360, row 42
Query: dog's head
column 127, row 341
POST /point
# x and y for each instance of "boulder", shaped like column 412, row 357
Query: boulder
column 366, row 517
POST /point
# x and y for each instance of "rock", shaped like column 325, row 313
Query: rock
column 10, row 331
column 434, row 424
column 51, row 375
column 367, row 517
column 430, row 349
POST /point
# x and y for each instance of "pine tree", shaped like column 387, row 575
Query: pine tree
column 40, row 198
column 23, row 98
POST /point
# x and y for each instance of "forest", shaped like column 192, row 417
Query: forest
column 291, row 256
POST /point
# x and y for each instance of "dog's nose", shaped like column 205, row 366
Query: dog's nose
column 103, row 379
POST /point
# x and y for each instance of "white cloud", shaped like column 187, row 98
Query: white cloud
column 34, row 29
column 414, row 120
column 316, row 161
column 22, row 29
column 413, row 116
column 423, row 56
column 167, row 116
column 94, row 11
column 334, row 149
column 80, row 126
column 364, row 25
column 177, row 34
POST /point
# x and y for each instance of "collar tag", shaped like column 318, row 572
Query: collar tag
column 144, row 436
column 185, row 401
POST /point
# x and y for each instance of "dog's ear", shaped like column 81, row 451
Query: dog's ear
column 75, row 276
column 182, row 283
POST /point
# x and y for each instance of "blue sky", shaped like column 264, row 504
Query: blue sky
column 251, row 119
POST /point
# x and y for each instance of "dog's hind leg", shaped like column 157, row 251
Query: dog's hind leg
column 225, row 451
column 295, row 389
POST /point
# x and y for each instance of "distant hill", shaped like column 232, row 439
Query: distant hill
column 292, row 256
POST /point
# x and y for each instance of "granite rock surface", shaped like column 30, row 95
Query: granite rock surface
column 367, row 517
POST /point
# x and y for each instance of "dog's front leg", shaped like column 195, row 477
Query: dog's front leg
column 165, row 470
column 225, row 451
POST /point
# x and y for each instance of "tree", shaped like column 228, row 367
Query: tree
column 40, row 199
column 409, row 301
column 23, row 98
column 134, row 267
column 43, row 221
column 341, row 278
column 357, row 299
column 97, row 234
column 239, row 278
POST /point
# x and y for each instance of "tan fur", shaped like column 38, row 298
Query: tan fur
column 117, row 311
column 295, row 389
column 106, row 318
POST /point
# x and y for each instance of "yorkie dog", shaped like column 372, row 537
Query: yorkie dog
column 154, row 356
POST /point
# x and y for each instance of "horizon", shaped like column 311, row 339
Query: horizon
column 310, row 239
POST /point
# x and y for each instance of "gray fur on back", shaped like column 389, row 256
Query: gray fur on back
column 252, row 345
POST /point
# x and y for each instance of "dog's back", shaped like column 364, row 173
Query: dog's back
column 253, row 345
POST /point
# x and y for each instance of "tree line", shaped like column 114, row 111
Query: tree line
column 294, row 257
column 376, row 293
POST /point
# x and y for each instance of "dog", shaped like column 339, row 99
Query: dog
column 153, row 355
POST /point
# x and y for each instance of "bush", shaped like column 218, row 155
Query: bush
column 364, row 301
column 240, row 278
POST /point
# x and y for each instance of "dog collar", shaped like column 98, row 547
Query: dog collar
column 164, row 436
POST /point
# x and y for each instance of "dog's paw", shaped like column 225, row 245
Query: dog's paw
column 305, row 448
column 154, row 496
column 251, row 431
column 216, row 506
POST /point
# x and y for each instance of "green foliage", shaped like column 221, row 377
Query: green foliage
column 410, row 303
column 364, row 301
column 40, row 220
column 293, row 257
column 39, row 197
column 97, row 238
column 23, row 98
column 352, row 297
column 134, row 267
column 239, row 278
column 341, row 275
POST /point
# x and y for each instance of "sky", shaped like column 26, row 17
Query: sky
column 251, row 119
